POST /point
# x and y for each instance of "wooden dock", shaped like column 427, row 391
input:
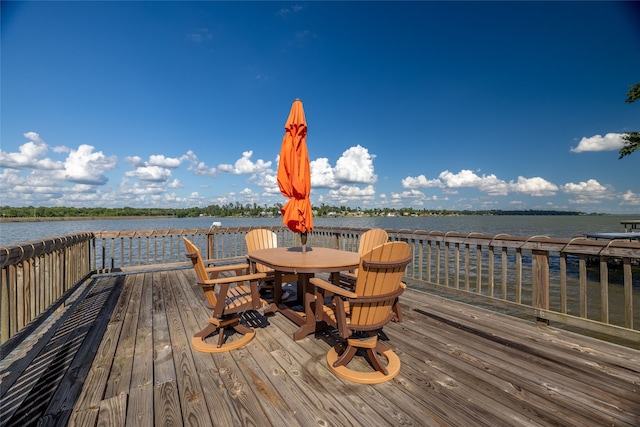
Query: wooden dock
column 631, row 232
column 118, row 353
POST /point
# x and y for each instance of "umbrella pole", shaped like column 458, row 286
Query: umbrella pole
column 303, row 239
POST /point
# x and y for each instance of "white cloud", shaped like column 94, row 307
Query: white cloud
column 355, row 166
column 466, row 178
column 535, row 186
column 589, row 187
column 175, row 184
column 411, row 194
column 165, row 162
column 244, row 165
column 161, row 160
column 150, row 173
column 134, row 161
column 35, row 182
column 269, row 182
column 416, row 197
column 494, row 186
column 489, row 184
column 61, row 149
column 157, row 171
column 33, row 136
column 609, row 142
column 588, row 192
column 139, row 189
column 85, row 166
column 630, row 198
column 247, row 195
column 322, row 175
column 39, row 188
column 201, row 169
column 351, row 193
column 420, row 182
column 30, row 155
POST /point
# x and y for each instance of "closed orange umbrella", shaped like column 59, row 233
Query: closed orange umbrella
column 294, row 174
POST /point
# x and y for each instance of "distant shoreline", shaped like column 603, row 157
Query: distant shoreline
column 76, row 218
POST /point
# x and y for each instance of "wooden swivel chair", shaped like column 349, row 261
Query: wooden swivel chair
column 361, row 313
column 261, row 238
column 226, row 302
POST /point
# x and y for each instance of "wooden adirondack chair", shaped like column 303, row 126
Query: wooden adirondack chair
column 263, row 239
column 361, row 313
column 226, row 302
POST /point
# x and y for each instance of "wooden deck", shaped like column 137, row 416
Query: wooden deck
column 118, row 353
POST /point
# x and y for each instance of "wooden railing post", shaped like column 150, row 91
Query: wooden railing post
column 211, row 245
column 604, row 290
column 335, row 238
column 540, row 284
column 628, row 293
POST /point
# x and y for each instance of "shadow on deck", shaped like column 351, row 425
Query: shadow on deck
column 118, row 353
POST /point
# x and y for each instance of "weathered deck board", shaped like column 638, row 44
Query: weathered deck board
column 120, row 354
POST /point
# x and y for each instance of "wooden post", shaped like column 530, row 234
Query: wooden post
column 336, row 241
column 479, row 269
column 628, row 293
column 540, row 276
column 604, row 290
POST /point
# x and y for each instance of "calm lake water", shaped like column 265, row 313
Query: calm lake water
column 517, row 225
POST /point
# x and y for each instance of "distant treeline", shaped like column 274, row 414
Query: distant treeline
column 533, row 212
column 239, row 210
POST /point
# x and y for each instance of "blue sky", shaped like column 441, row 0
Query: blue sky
column 431, row 105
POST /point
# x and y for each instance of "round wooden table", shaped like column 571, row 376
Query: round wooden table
column 305, row 265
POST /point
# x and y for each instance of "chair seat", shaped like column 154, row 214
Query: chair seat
column 238, row 296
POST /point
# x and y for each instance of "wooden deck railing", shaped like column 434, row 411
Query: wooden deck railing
column 115, row 250
column 589, row 284
column 36, row 275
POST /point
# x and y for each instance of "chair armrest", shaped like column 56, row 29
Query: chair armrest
column 316, row 281
column 232, row 279
column 229, row 267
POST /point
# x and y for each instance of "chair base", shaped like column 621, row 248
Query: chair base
column 198, row 340
column 199, row 344
column 393, row 368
